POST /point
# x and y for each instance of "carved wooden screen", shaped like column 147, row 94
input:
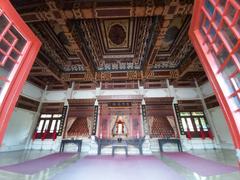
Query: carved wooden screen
column 158, row 111
column 81, row 121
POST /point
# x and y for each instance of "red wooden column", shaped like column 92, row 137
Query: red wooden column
column 215, row 34
column 18, row 50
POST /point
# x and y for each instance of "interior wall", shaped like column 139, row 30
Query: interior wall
column 21, row 121
column 186, row 93
column 181, row 93
column 220, row 124
column 19, row 127
column 57, row 96
column 206, row 90
column 32, row 91
column 18, row 130
column 218, row 120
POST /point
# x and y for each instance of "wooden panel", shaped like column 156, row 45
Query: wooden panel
column 120, row 98
column 151, row 84
column 81, row 102
column 160, row 111
column 77, row 76
column 26, row 103
column 119, row 75
column 211, row 102
column 164, row 100
column 52, row 107
column 190, row 105
column 81, row 107
column 113, row 4
column 85, row 85
column 120, row 85
column 159, row 106
column 113, row 12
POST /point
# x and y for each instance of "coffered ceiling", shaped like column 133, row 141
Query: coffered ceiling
column 111, row 41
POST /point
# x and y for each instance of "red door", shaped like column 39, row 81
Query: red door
column 215, row 34
column 18, row 50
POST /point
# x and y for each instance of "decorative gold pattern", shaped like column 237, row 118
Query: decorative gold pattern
column 156, row 42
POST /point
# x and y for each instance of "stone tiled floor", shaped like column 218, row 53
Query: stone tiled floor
column 224, row 156
column 14, row 157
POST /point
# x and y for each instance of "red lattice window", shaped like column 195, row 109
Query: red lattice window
column 215, row 34
column 18, row 49
column 49, row 126
column 12, row 47
column 194, row 122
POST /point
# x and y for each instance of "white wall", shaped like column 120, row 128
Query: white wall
column 18, row 130
column 181, row 93
column 156, row 92
column 21, row 121
column 186, row 93
column 32, row 91
column 218, row 120
column 178, row 93
column 84, row 94
column 206, row 90
column 221, row 127
column 19, row 126
column 55, row 96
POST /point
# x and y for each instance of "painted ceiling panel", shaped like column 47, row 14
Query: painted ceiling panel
column 93, row 41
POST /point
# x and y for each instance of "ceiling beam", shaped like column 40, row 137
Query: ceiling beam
column 38, row 68
column 152, row 51
column 93, row 9
column 42, row 83
column 54, row 73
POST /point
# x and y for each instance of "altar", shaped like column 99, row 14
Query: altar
column 120, row 124
column 120, row 128
column 116, row 143
column 120, row 119
column 122, row 145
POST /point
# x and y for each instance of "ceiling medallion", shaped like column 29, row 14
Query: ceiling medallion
column 117, row 34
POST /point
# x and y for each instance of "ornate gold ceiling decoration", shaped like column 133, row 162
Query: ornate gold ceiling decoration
column 106, row 55
column 171, row 32
column 117, row 35
column 109, row 40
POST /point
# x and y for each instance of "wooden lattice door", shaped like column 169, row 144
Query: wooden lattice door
column 215, row 34
column 18, row 50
